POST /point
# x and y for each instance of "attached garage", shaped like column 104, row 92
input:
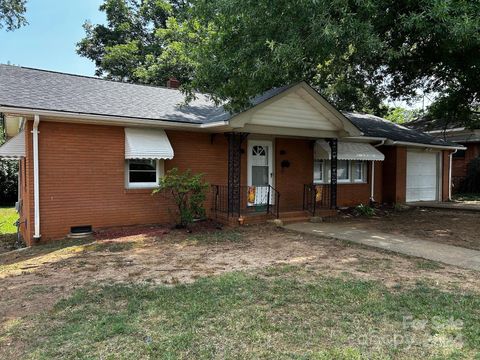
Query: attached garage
column 423, row 176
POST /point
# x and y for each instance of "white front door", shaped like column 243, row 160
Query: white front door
column 422, row 176
column 260, row 171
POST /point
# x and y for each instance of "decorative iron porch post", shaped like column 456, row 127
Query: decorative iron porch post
column 235, row 141
column 333, row 173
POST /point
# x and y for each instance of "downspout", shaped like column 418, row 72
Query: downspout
column 450, row 176
column 36, row 182
column 372, row 181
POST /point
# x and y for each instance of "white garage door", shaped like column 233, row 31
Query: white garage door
column 422, row 176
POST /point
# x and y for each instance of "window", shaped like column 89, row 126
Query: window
column 347, row 171
column 318, row 171
column 143, row 173
column 343, row 170
column 359, row 171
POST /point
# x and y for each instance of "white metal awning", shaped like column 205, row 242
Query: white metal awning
column 348, row 151
column 147, row 144
column 14, row 148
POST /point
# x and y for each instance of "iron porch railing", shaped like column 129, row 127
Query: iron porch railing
column 253, row 200
column 315, row 197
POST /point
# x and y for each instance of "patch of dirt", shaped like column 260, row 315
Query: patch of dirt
column 452, row 227
column 34, row 279
column 7, row 242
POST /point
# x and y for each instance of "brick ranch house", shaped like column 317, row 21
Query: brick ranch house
column 457, row 133
column 92, row 150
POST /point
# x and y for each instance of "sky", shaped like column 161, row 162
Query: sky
column 49, row 40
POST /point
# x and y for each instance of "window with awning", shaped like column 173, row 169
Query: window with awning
column 147, row 144
column 348, row 151
column 145, row 152
column 14, row 149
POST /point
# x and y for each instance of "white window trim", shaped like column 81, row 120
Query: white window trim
column 350, row 180
column 363, row 180
column 160, row 171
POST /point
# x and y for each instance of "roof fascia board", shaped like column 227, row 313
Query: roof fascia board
column 109, row 120
column 446, row 130
column 364, row 138
column 405, row 143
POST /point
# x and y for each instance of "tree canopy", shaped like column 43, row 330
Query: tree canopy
column 356, row 53
column 12, row 14
column 127, row 48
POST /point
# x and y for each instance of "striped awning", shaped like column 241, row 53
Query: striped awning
column 147, row 143
column 348, row 151
column 14, row 149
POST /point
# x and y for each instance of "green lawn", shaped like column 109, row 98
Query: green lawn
column 278, row 313
column 8, row 216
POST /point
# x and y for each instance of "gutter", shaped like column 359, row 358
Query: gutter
column 36, row 180
column 372, row 185
column 110, row 120
column 444, row 147
column 450, row 175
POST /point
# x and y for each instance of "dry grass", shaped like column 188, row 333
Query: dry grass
column 246, row 293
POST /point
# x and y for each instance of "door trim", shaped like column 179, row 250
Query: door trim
column 268, row 143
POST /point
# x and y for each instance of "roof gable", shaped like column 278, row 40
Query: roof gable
column 298, row 107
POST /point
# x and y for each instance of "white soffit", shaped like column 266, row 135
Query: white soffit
column 147, row 143
column 348, row 151
column 14, row 148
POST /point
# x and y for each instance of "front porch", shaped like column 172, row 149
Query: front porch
column 272, row 178
column 262, row 203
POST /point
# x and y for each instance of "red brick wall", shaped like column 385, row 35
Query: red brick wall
column 394, row 174
column 459, row 165
column 445, row 174
column 82, row 180
column 290, row 181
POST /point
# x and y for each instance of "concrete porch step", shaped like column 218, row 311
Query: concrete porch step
column 292, row 217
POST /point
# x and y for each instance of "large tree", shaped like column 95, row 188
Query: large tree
column 357, row 53
column 12, row 14
column 126, row 48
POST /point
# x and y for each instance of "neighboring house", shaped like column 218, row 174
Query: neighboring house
column 92, row 150
column 457, row 133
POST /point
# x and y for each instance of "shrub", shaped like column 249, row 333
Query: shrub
column 188, row 191
column 471, row 183
column 8, row 182
column 365, row 210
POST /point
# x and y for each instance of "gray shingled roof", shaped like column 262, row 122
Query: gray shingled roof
column 374, row 126
column 54, row 91
column 47, row 90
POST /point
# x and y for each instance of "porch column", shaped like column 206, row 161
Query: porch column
column 333, row 173
column 234, row 171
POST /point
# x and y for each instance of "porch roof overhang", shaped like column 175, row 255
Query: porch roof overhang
column 145, row 143
column 348, row 151
column 14, row 148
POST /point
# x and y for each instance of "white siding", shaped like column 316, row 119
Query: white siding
column 296, row 111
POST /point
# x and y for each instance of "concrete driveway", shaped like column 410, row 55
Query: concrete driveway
column 448, row 254
column 452, row 205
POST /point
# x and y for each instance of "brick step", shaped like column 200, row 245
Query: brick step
column 293, row 213
column 293, row 220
